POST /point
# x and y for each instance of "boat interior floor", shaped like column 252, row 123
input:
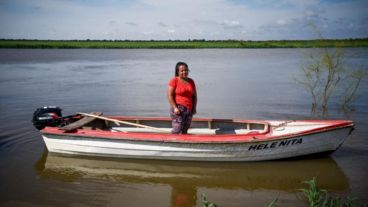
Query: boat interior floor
column 198, row 131
column 164, row 126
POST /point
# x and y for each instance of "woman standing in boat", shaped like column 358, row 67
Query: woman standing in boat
column 182, row 96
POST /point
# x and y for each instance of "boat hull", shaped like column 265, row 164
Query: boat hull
column 257, row 150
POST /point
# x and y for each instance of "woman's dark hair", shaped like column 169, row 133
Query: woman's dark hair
column 177, row 67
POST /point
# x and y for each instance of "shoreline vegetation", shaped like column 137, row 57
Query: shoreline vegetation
column 315, row 196
column 180, row 44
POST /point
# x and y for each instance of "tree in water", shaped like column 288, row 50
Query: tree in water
column 325, row 74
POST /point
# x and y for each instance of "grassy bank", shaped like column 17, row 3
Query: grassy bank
column 127, row 44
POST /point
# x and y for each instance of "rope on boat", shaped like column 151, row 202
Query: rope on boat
column 281, row 126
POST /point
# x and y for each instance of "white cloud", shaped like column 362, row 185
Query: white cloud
column 231, row 24
column 162, row 24
column 131, row 23
column 281, row 22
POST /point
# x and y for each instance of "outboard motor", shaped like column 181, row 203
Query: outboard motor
column 47, row 116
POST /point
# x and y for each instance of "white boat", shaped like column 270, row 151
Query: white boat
column 207, row 140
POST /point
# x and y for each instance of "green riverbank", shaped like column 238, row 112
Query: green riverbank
column 176, row 44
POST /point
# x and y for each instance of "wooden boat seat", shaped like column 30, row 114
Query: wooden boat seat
column 80, row 123
column 190, row 131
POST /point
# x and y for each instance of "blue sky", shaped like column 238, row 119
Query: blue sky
column 182, row 19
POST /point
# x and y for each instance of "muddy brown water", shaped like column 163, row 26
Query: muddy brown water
column 231, row 83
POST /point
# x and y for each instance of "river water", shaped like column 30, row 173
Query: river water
column 231, row 83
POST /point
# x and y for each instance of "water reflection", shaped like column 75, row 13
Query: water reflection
column 184, row 179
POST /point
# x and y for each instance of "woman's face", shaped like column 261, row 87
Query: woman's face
column 183, row 71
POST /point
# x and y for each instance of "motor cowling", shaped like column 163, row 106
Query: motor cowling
column 47, row 116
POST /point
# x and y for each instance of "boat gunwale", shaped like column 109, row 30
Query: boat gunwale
column 202, row 138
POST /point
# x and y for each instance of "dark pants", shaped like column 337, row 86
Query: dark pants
column 181, row 122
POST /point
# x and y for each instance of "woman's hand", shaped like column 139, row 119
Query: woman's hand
column 176, row 111
column 194, row 111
